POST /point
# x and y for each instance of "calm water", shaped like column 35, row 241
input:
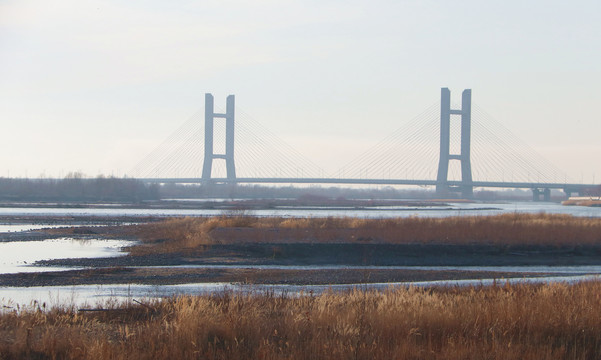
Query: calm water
column 454, row 209
column 19, row 256
column 28, row 227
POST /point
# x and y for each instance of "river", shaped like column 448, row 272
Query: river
column 452, row 209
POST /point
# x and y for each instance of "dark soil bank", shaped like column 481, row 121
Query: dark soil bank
column 402, row 254
column 165, row 276
column 362, row 254
column 123, row 269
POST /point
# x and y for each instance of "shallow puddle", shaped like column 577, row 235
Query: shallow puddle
column 4, row 228
column 19, row 256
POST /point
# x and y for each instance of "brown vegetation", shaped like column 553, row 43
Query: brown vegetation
column 189, row 234
column 556, row 321
column 583, row 201
column 182, row 234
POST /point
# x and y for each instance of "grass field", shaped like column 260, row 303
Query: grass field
column 556, row 321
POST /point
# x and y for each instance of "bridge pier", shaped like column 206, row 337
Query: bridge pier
column 442, row 183
column 570, row 190
column 209, row 154
column 545, row 192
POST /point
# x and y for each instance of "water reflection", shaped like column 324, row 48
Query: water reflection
column 18, row 256
column 29, row 227
column 91, row 295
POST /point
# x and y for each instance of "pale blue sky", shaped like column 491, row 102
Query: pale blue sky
column 95, row 85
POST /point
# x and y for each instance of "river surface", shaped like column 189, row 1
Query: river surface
column 452, row 209
column 18, row 256
column 28, row 227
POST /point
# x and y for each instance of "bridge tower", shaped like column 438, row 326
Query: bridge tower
column 442, row 183
column 210, row 116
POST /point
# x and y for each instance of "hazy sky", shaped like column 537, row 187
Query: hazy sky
column 94, row 86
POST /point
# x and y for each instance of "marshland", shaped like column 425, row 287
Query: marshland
column 238, row 248
column 503, row 320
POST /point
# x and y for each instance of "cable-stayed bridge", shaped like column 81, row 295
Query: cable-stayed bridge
column 454, row 147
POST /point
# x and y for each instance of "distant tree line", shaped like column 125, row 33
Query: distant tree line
column 231, row 191
column 74, row 187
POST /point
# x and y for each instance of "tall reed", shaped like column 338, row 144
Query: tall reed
column 556, row 321
column 187, row 234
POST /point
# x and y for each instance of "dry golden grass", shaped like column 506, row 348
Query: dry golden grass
column 556, row 321
column 186, row 234
column 182, row 234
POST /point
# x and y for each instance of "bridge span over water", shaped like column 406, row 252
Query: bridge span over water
column 541, row 191
column 448, row 138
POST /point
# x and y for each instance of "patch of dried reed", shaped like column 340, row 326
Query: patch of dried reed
column 556, row 321
column 187, row 234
